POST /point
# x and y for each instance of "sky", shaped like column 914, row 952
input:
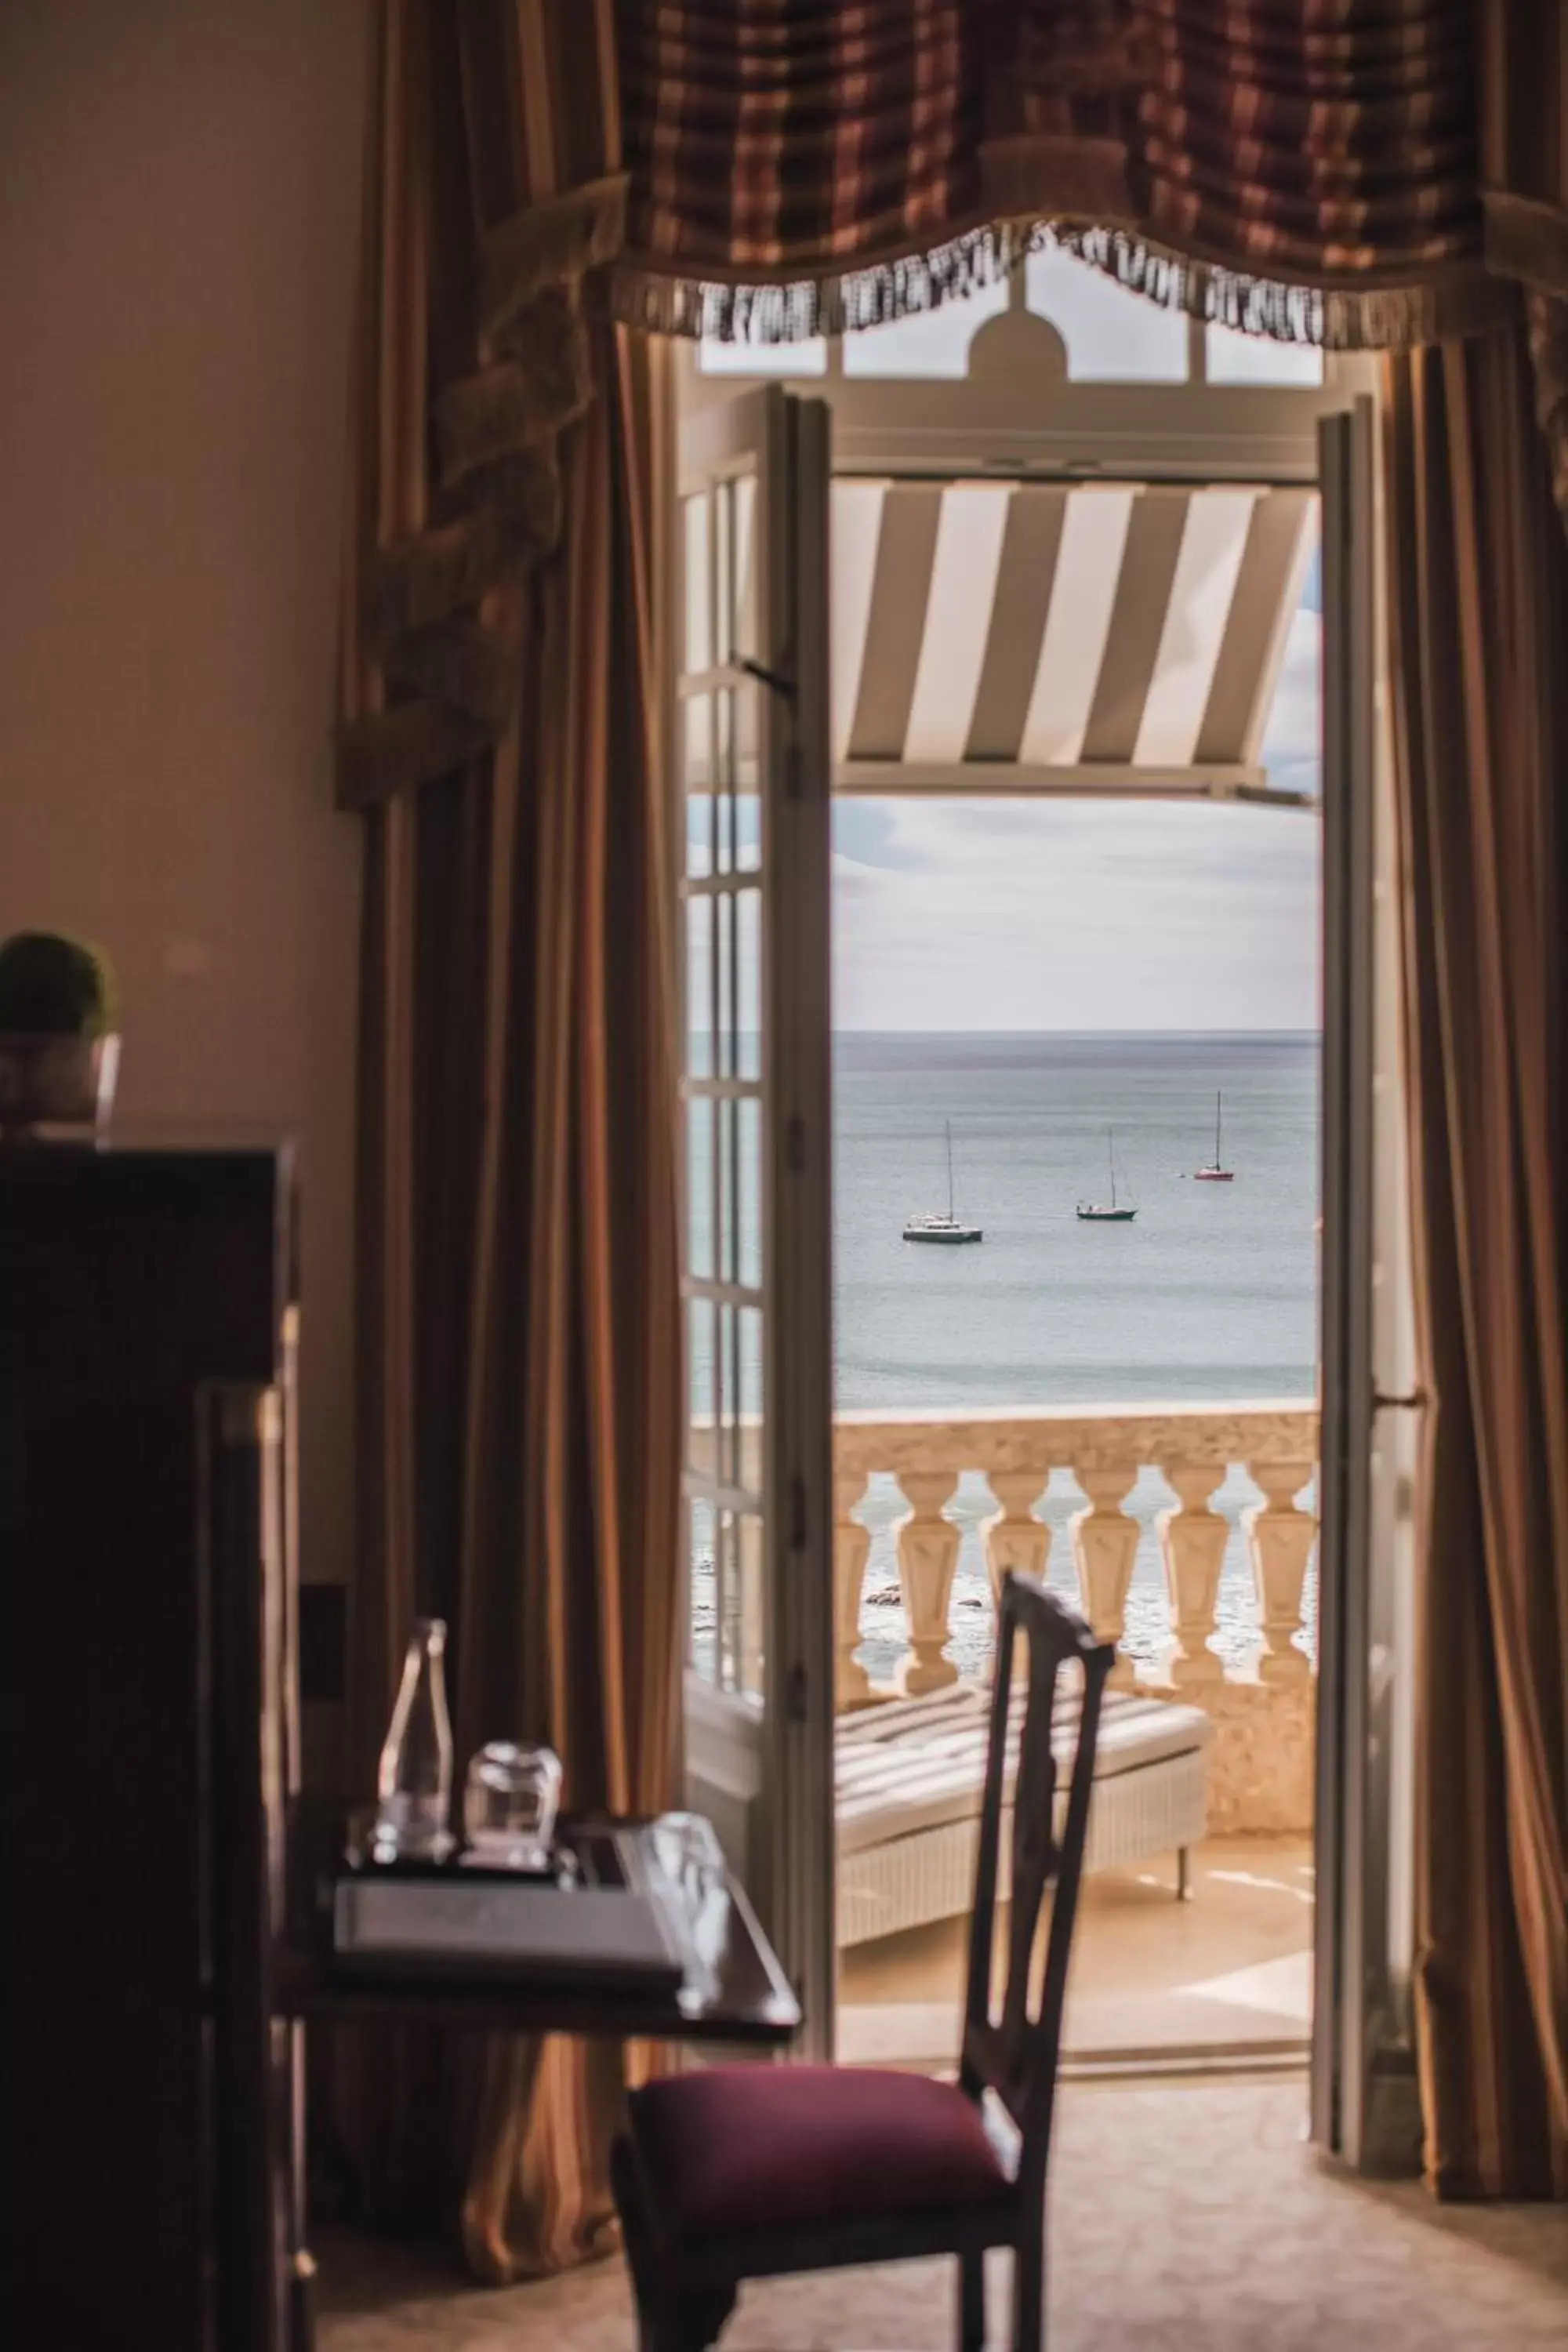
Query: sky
column 1031, row 915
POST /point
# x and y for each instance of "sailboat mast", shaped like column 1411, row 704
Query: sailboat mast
column 1111, row 1155
column 1218, row 1104
column 949, row 1127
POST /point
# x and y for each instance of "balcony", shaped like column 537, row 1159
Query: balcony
column 1185, row 1535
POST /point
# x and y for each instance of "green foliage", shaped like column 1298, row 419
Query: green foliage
column 51, row 986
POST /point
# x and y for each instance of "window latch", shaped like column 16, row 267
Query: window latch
column 775, row 680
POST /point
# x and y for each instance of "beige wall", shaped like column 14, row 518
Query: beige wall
column 178, row 221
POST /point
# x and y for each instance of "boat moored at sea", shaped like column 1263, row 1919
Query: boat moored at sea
column 1114, row 1212
column 940, row 1226
column 1216, row 1172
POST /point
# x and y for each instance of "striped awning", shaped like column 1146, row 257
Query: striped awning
column 1025, row 636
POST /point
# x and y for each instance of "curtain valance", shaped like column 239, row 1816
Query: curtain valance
column 1304, row 169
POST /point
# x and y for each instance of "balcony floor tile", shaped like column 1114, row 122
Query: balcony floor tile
column 1233, row 1966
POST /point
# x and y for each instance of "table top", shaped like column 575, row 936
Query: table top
column 741, row 1994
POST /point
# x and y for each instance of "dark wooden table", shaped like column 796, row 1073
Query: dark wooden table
column 744, row 1997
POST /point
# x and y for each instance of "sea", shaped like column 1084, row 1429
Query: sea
column 1209, row 1295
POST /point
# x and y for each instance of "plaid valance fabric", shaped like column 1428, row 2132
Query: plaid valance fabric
column 1301, row 168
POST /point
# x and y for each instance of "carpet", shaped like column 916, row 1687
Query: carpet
column 1181, row 2215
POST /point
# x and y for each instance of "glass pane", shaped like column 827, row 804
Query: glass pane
column 697, row 723
column 699, row 986
column 730, row 1387
column 1112, row 336
column 744, row 583
column 749, row 984
column 1292, row 737
column 727, row 1601
column 724, row 968
column 930, row 344
column 748, row 1195
column 749, row 1392
column 699, row 1442
column 729, row 1192
column 703, row 1646
column 697, row 653
column 723, row 598
column 724, row 767
column 749, row 1579
column 697, row 736
column 700, row 1188
column 1233, row 358
column 746, row 719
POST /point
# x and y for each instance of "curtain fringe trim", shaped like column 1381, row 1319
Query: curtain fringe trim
column 1461, row 300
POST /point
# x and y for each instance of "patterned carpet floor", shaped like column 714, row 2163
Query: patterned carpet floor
column 1181, row 2215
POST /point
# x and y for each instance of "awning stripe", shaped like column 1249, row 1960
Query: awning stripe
column 1023, row 600
column 1088, row 566
column 906, row 558
column 1196, row 616
column 853, row 542
column 1268, row 590
column 1110, row 629
column 959, row 613
column 1137, row 623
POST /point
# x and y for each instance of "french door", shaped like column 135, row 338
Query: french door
column 753, row 756
column 1363, row 2099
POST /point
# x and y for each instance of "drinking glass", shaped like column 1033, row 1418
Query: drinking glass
column 509, row 1806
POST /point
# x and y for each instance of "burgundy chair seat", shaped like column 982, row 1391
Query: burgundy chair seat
column 737, row 2148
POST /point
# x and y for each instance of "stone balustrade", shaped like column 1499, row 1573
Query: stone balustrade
column 1261, row 1771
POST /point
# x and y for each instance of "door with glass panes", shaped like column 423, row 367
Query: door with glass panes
column 752, row 753
column 1364, row 2105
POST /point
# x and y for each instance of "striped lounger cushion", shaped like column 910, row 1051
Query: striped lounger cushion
column 908, row 1781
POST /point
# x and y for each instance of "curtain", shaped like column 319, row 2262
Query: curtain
column 1525, row 175
column 1478, row 600
column 1305, row 169
column 520, row 1434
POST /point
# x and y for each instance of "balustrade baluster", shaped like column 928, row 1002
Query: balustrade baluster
column 1193, row 1539
column 851, row 1548
column 1279, row 1538
column 1012, row 1538
column 1104, row 1546
column 928, row 1558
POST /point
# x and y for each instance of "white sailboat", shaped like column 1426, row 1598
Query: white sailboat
column 936, row 1226
column 1216, row 1172
column 1115, row 1212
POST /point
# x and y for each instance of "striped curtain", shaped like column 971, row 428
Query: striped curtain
column 1478, row 602
column 1304, row 169
column 519, row 1424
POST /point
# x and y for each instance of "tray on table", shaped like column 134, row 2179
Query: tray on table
column 609, row 1919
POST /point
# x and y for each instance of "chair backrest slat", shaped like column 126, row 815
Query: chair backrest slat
column 1015, row 2055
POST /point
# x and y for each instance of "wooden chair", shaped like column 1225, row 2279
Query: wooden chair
column 741, row 2172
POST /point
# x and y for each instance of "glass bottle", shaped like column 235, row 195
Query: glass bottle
column 413, row 1782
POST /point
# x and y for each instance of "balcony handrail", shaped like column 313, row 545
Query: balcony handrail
column 1016, row 1449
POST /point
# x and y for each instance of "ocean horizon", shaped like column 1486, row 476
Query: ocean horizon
column 1209, row 1295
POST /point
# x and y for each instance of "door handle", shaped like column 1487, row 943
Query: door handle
column 775, row 680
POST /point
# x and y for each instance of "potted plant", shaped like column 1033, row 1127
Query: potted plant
column 59, row 1051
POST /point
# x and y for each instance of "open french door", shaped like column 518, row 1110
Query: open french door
column 1363, row 2099
column 752, row 755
